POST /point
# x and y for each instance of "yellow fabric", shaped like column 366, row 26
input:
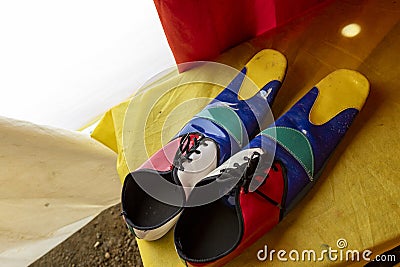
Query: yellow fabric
column 109, row 132
column 338, row 91
column 357, row 196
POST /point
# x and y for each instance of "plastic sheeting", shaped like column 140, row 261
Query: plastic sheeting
column 356, row 198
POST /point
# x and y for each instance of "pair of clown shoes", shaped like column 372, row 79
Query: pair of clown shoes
column 222, row 181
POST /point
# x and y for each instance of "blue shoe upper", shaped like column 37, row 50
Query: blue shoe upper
column 232, row 122
column 303, row 160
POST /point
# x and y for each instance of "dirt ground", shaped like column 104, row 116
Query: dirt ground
column 105, row 241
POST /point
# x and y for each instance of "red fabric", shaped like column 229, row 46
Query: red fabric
column 202, row 29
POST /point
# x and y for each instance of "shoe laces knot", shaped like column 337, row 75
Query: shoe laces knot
column 188, row 145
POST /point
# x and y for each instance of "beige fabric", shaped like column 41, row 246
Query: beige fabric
column 50, row 178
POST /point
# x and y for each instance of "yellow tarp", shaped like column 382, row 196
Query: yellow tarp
column 357, row 197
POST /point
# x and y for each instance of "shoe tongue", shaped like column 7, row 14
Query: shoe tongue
column 213, row 188
column 260, row 172
column 225, row 181
column 222, row 186
column 256, row 172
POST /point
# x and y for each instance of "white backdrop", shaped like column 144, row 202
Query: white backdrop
column 63, row 63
